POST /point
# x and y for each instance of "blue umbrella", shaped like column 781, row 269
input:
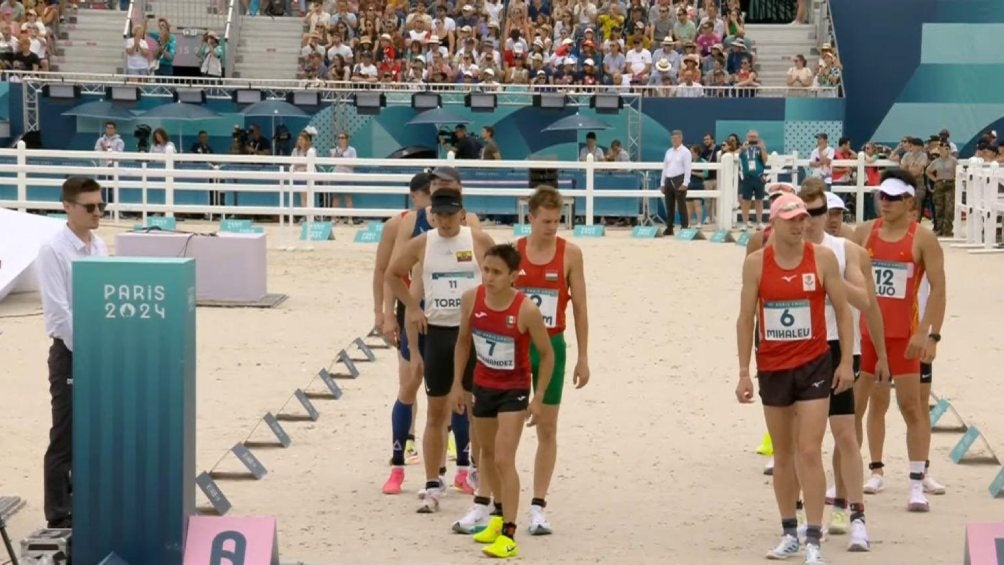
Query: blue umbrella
column 273, row 109
column 181, row 111
column 576, row 122
column 100, row 109
column 436, row 117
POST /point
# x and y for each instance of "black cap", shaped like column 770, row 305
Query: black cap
column 591, row 135
column 447, row 201
column 934, row 138
column 420, row 181
column 823, row 135
column 445, row 173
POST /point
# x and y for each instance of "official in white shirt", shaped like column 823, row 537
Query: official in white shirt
column 82, row 202
column 675, row 179
column 342, row 151
column 820, row 159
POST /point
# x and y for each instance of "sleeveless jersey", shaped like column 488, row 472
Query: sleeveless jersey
column 766, row 236
column 923, row 296
column 448, row 270
column 545, row 285
column 792, row 313
column 839, row 247
column 897, row 280
column 421, row 226
column 503, row 351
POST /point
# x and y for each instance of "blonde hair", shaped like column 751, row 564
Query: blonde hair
column 545, row 197
column 812, row 189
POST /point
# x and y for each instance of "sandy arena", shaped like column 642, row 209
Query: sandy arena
column 655, row 461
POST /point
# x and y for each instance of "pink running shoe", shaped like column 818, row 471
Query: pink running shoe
column 460, row 482
column 393, row 484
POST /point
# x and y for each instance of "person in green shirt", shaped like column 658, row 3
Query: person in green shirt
column 163, row 54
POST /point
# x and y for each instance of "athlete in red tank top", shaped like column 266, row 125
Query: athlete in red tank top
column 546, row 285
column 503, row 350
column 792, row 309
column 897, row 281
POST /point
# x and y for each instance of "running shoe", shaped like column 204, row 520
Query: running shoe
column 430, row 502
column 442, row 488
column 393, row 484
column 875, row 484
column 451, row 448
column 766, row 446
column 503, row 547
column 787, row 548
column 917, row 502
column 411, row 453
column 539, row 526
column 460, row 482
column 859, row 537
column 474, row 521
column 831, row 493
column 838, row 522
column 813, row 555
column 491, row 532
column 769, row 468
column 932, row 486
column 472, row 479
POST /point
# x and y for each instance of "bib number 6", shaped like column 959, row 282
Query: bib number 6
column 787, row 320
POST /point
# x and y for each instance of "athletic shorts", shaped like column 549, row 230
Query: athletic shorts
column 899, row 365
column 842, row 404
column 488, row 402
column 402, row 345
column 926, row 373
column 811, row 381
column 440, row 342
column 751, row 188
column 552, row 396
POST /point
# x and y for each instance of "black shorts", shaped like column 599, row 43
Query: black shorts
column 811, row 381
column 440, row 342
column 842, row 404
column 488, row 402
column 926, row 373
column 751, row 188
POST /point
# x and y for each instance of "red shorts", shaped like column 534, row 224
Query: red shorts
column 899, row 365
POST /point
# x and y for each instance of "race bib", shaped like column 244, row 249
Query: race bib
column 447, row 288
column 546, row 300
column 890, row 278
column 787, row 320
column 495, row 351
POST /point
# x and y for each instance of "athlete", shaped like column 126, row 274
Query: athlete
column 835, row 210
column 787, row 284
column 855, row 268
column 412, row 224
column 448, row 259
column 390, row 319
column 902, row 252
column 502, row 323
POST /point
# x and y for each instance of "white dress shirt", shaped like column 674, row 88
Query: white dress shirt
column 675, row 163
column 55, row 271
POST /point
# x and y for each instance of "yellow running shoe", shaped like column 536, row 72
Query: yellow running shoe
column 503, row 547
column 451, row 448
column 411, row 453
column 838, row 522
column 766, row 446
column 492, row 531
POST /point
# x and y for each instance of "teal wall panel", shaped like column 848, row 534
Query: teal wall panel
column 961, row 43
column 134, row 408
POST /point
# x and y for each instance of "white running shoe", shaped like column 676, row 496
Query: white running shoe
column 787, row 548
column 539, row 525
column 831, row 493
column 475, row 520
column 875, row 484
column 472, row 479
column 932, row 486
column 813, row 555
column 859, row 537
column 918, row 502
column 442, row 486
column 430, row 502
column 769, row 468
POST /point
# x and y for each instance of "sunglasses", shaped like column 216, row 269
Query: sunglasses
column 891, row 198
column 90, row 208
column 816, row 212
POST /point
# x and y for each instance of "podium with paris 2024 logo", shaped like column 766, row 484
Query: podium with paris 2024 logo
column 133, row 408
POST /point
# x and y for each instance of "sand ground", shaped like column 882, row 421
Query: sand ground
column 656, row 461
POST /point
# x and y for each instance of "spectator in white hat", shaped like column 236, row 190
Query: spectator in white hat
column 663, row 70
column 211, row 55
column 668, row 51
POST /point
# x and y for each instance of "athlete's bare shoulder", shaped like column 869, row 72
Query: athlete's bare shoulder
column 755, row 243
column 847, row 232
column 861, row 232
column 573, row 251
column 471, row 220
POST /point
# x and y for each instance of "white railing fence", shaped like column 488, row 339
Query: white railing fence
column 979, row 202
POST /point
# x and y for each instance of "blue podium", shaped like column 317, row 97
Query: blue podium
column 133, row 408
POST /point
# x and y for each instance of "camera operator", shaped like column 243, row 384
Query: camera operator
column 257, row 144
column 201, row 145
column 466, row 147
column 239, row 141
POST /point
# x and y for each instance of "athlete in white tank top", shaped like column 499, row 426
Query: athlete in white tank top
column 838, row 246
column 449, row 268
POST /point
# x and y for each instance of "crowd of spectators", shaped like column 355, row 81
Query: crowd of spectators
column 826, row 79
column 27, row 34
column 664, row 48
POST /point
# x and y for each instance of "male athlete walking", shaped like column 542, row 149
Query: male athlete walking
column 502, row 323
column 448, row 258
column 902, row 252
column 788, row 282
column 390, row 319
